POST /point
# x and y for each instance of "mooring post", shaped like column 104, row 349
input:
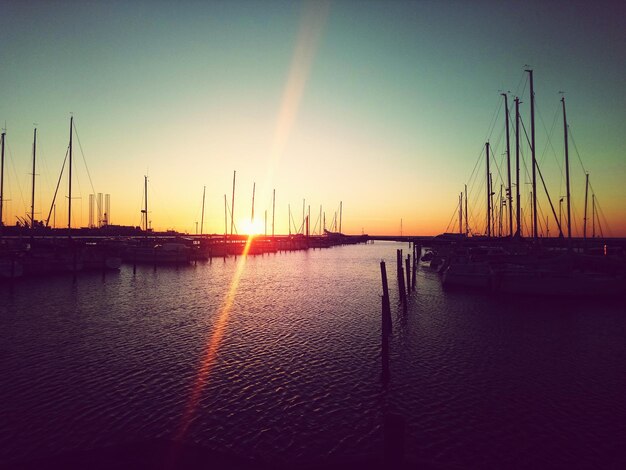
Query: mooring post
column 386, row 307
column 386, row 325
column 408, row 274
column 403, row 298
column 135, row 261
column 399, row 270
column 414, row 272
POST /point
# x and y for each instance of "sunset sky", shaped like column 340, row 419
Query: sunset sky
column 385, row 106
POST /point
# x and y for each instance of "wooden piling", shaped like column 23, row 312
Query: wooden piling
column 399, row 271
column 403, row 297
column 135, row 261
column 386, row 307
column 386, row 325
column 408, row 274
column 414, row 275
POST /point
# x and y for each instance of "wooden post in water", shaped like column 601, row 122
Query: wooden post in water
column 408, row 274
column 415, row 260
column 386, row 325
column 403, row 298
column 399, row 269
column 386, row 308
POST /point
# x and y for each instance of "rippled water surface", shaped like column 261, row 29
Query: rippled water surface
column 284, row 365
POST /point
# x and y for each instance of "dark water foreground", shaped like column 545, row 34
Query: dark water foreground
column 129, row 363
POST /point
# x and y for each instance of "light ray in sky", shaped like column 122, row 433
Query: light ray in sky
column 311, row 26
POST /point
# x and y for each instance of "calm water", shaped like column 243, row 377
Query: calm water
column 481, row 381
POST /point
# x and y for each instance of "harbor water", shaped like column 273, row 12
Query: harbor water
column 277, row 357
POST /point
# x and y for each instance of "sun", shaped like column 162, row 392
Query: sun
column 252, row 227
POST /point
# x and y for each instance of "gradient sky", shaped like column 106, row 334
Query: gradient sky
column 385, row 106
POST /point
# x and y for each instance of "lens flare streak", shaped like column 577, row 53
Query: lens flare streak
column 212, row 347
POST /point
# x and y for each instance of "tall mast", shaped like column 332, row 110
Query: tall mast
column 2, row 177
column 321, row 219
column 145, row 197
column 232, row 207
column 303, row 206
column 500, row 213
column 532, row 212
column 488, row 191
column 32, row 199
column 493, row 209
column 517, row 195
column 69, row 206
column 560, row 216
column 273, row 210
column 569, row 218
column 202, row 217
column 509, row 191
column 532, row 138
column 585, row 219
column 289, row 206
column 466, row 225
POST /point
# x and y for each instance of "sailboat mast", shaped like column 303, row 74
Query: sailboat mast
column 488, row 191
column 569, row 218
column 225, row 219
column 493, row 208
column 466, row 226
column 321, row 219
column 517, row 194
column 500, row 214
column 232, row 207
column 32, row 199
column 2, row 176
column 202, row 216
column 509, row 191
column 586, row 195
column 69, row 206
column 532, row 138
column 145, row 198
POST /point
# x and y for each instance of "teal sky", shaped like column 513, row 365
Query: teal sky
column 396, row 103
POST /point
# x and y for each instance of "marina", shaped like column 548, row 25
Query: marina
column 312, row 235
column 112, row 362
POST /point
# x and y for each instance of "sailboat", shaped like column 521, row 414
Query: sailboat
column 151, row 250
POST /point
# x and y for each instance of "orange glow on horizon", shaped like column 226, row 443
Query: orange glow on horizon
column 252, row 227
